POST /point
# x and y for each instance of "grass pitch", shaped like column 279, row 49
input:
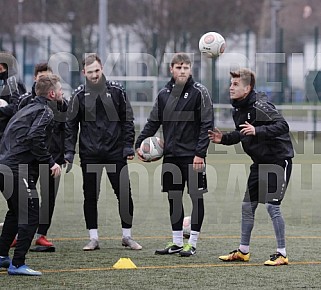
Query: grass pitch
column 228, row 167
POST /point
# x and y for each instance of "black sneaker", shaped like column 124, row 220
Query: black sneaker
column 171, row 248
column 188, row 250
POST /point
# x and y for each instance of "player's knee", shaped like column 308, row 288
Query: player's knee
column 273, row 210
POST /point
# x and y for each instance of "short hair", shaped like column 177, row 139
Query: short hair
column 45, row 84
column 91, row 58
column 246, row 75
column 180, row 58
column 40, row 67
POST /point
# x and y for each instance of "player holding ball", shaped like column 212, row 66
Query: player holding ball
column 184, row 109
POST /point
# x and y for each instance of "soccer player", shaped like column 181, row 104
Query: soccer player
column 184, row 109
column 22, row 150
column 264, row 135
column 106, row 140
column 48, row 184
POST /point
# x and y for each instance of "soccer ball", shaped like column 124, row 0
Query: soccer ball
column 212, row 44
column 187, row 227
column 152, row 148
column 3, row 103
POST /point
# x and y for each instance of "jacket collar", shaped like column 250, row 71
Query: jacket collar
column 41, row 100
column 249, row 99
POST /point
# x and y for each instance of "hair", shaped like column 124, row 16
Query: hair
column 40, row 67
column 246, row 75
column 91, row 58
column 45, row 84
column 180, row 58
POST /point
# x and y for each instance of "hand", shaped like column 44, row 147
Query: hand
column 215, row 136
column 68, row 166
column 140, row 155
column 130, row 157
column 55, row 170
column 198, row 163
column 248, row 129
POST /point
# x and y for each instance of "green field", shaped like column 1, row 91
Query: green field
column 71, row 268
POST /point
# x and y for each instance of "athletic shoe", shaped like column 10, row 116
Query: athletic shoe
column 92, row 245
column 22, row 270
column 170, row 248
column 129, row 242
column 5, row 262
column 188, row 250
column 14, row 243
column 42, row 241
column 277, row 259
column 236, row 256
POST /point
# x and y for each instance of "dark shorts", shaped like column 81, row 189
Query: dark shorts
column 177, row 171
column 267, row 183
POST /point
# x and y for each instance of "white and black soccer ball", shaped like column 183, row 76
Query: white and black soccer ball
column 3, row 103
column 212, row 44
column 152, row 148
column 187, row 227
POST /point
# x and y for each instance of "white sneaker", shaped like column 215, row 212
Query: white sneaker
column 91, row 246
column 129, row 242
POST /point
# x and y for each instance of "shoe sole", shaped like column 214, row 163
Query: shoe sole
column 186, row 255
column 43, row 249
column 136, row 249
column 237, row 261
column 160, row 253
column 87, row 250
column 23, row 274
column 269, row 265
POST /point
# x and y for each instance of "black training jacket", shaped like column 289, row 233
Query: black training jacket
column 106, row 122
column 186, row 115
column 24, row 140
column 272, row 142
column 56, row 140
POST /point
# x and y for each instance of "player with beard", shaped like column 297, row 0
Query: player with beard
column 106, row 140
column 184, row 109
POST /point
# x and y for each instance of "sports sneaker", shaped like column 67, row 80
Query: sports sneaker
column 42, row 241
column 14, row 243
column 129, row 242
column 236, row 255
column 22, row 270
column 277, row 259
column 5, row 262
column 170, row 248
column 188, row 250
column 92, row 245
